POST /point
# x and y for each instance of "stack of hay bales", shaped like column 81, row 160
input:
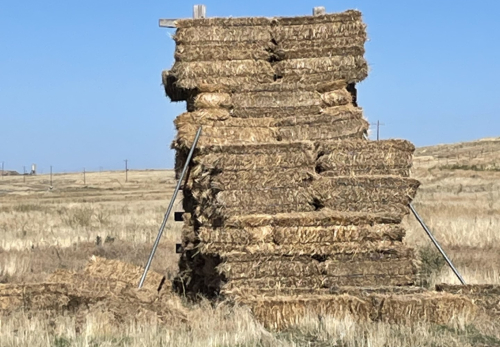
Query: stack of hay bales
column 285, row 197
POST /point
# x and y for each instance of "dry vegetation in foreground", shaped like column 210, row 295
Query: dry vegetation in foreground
column 42, row 230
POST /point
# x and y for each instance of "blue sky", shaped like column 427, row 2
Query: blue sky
column 80, row 81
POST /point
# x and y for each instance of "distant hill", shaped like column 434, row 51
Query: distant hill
column 479, row 155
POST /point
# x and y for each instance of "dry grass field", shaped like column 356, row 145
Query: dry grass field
column 43, row 229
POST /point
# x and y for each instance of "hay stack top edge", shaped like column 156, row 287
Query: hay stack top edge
column 267, row 20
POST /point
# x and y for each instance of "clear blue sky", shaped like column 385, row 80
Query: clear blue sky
column 80, row 81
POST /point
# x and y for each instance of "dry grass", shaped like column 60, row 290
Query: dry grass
column 43, row 229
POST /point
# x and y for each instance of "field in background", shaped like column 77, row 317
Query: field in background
column 43, row 228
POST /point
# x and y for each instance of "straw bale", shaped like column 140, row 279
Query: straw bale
column 83, row 285
column 258, row 179
column 351, row 157
column 276, row 112
column 275, row 86
column 222, row 135
column 346, row 127
column 250, row 293
column 282, row 311
column 341, row 251
column 257, row 160
column 186, row 70
column 341, row 17
column 39, row 296
column 321, row 281
column 324, row 217
column 349, row 68
column 223, row 22
column 224, row 82
column 485, row 296
column 203, row 116
column 439, row 308
column 259, row 148
column 202, row 34
column 300, row 234
column 219, row 118
column 278, row 99
column 212, row 100
column 264, row 197
column 323, row 31
column 121, row 271
column 296, row 115
column 286, row 204
column 365, row 193
column 351, row 45
column 224, row 51
column 287, row 267
column 336, row 97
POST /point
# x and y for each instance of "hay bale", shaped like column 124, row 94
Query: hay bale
column 216, row 119
column 39, row 296
column 336, row 98
column 317, row 70
column 319, row 31
column 275, row 86
column 191, row 74
column 217, row 135
column 342, row 122
column 255, row 179
column 223, row 22
column 305, row 268
column 120, row 271
column 276, row 99
column 485, row 296
column 282, row 311
column 356, row 157
column 213, row 51
column 352, row 45
column 342, row 251
column 300, row 234
column 212, row 100
column 328, row 18
column 259, row 199
column 227, row 34
column 438, row 308
column 365, row 193
column 324, row 217
column 250, row 293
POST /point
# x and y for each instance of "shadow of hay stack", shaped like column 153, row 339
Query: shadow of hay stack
column 286, row 199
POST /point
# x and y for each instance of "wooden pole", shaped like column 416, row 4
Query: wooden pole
column 378, row 124
column 51, row 176
column 84, row 181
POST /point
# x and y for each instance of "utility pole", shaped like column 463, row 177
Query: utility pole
column 126, row 170
column 378, row 124
column 84, row 181
column 24, row 173
column 2, row 170
column 51, row 176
